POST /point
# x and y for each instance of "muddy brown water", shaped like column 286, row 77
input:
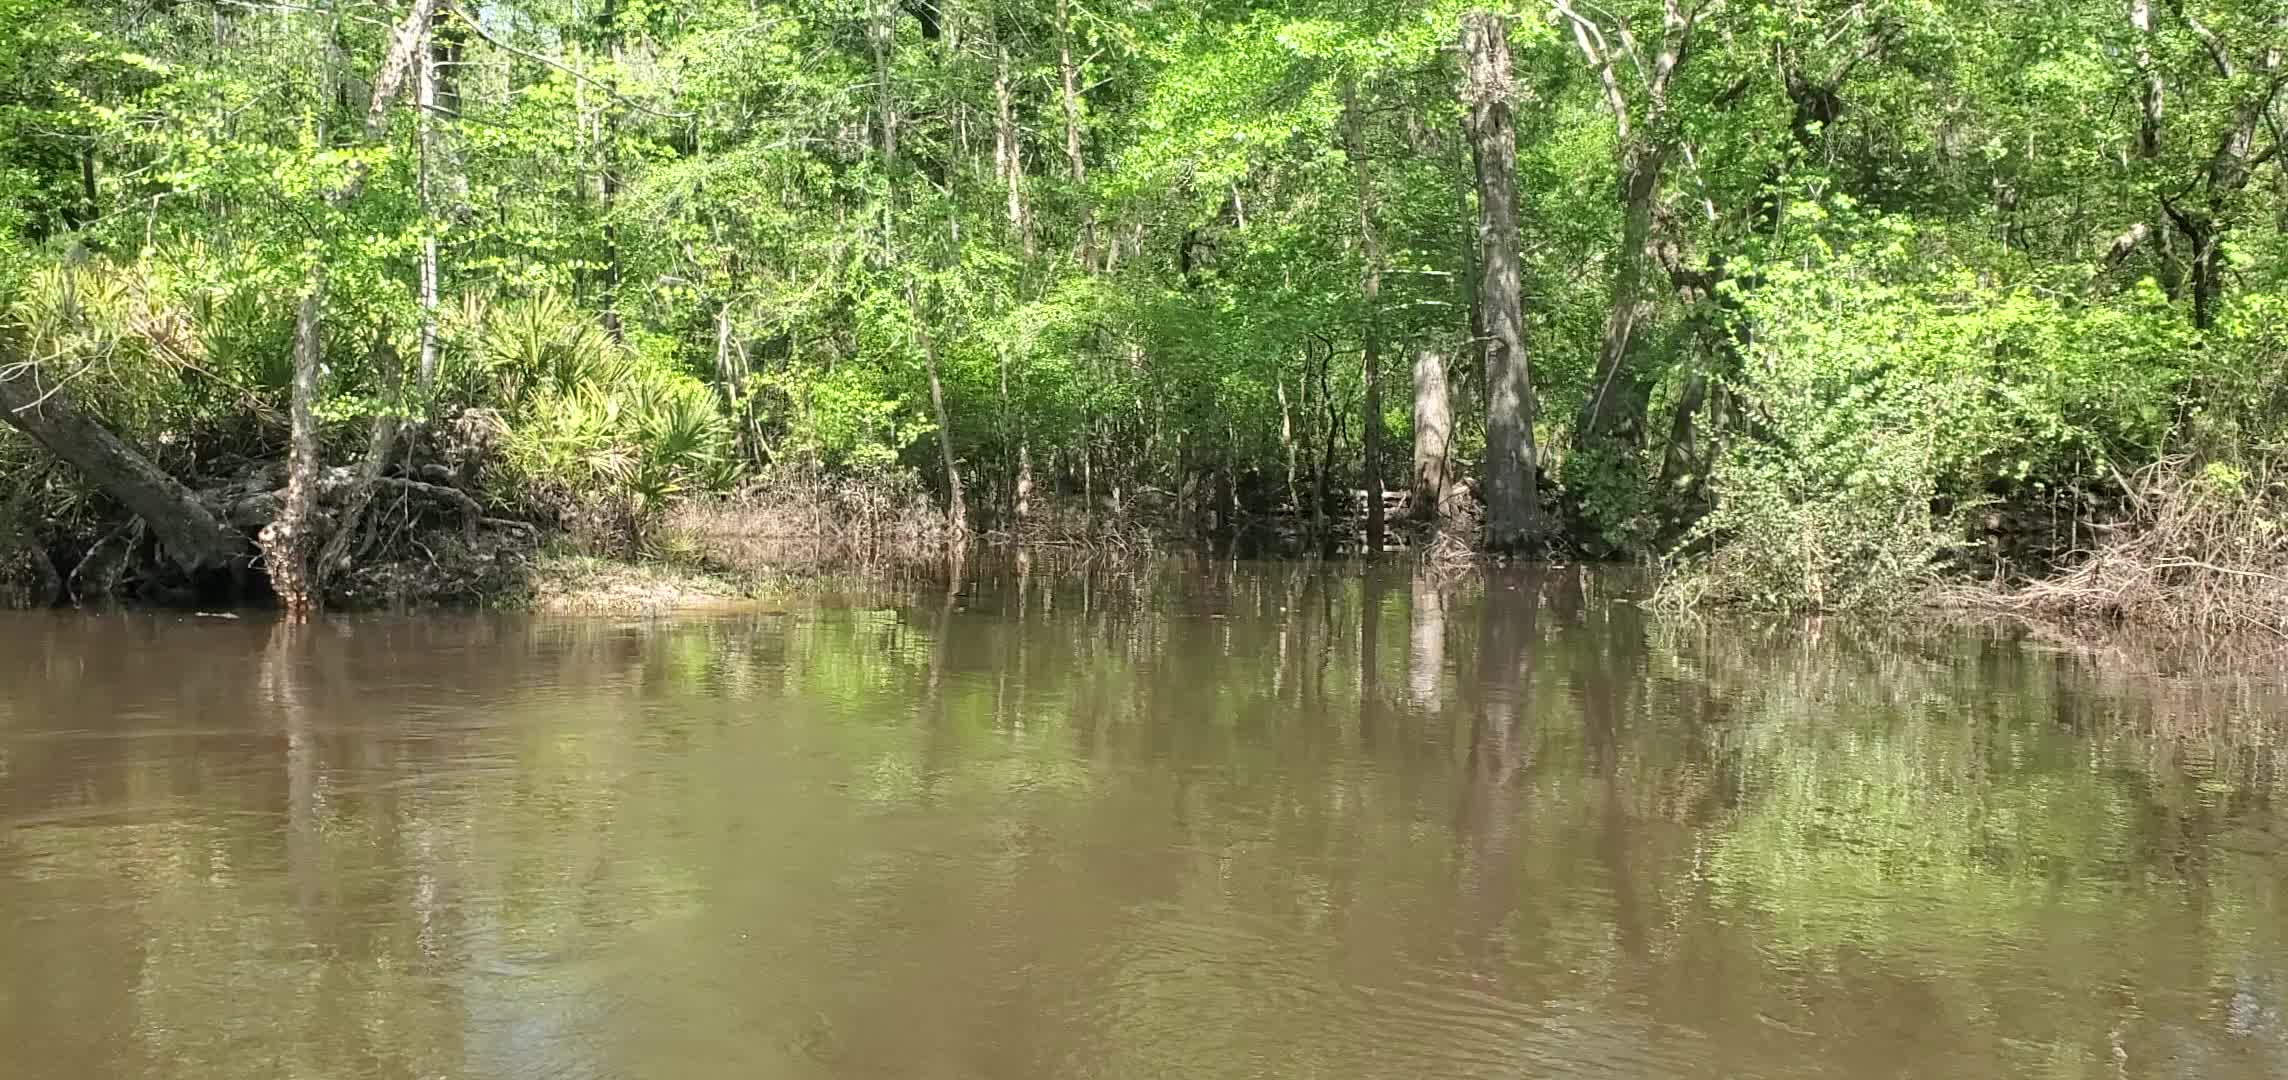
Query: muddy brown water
column 1196, row 820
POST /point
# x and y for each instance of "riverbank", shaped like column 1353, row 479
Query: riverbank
column 566, row 583
column 2182, row 553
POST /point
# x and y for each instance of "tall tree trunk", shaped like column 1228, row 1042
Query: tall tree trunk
column 1321, row 445
column 1370, row 293
column 883, row 31
column 1616, row 395
column 1511, row 495
column 1287, row 445
column 287, row 540
column 1068, row 73
column 1009, row 162
column 410, row 53
column 607, row 175
column 2150, row 98
column 1024, row 485
column 1008, row 151
column 1616, row 400
column 425, row 147
column 188, row 531
column 956, row 501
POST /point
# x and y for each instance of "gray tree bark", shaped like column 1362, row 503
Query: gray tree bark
column 1370, row 293
column 288, row 542
column 883, row 31
column 1433, row 435
column 1068, row 73
column 1616, row 399
column 1511, row 495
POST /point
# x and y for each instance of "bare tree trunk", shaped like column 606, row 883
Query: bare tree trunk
column 1024, row 485
column 287, row 540
column 1317, row 443
column 188, row 531
column 608, row 179
column 425, row 146
column 1512, row 501
column 381, row 437
column 1287, row 444
column 1370, row 291
column 883, row 31
column 1068, row 73
column 1008, row 151
column 956, row 502
column 1433, row 434
column 288, row 546
column 1009, row 161
column 2150, row 97
column 1332, row 443
column 1616, row 397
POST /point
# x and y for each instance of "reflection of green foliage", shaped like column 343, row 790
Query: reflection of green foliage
column 1886, row 837
column 1170, row 817
column 1917, row 801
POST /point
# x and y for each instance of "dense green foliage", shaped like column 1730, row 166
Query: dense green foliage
column 1855, row 277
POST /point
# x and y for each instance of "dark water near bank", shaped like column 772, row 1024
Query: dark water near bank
column 1199, row 821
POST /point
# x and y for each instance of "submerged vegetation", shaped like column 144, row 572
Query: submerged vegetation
column 1822, row 304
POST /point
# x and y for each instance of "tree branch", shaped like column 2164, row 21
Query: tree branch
column 471, row 22
column 2218, row 54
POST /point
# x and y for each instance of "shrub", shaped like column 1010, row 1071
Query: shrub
column 1882, row 400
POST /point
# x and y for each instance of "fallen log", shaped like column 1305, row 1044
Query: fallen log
column 44, row 411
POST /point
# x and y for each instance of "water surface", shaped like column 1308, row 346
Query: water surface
column 1198, row 820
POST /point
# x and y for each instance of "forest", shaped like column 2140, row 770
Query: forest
column 1811, row 304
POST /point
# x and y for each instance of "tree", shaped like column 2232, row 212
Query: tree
column 1370, row 333
column 1511, row 484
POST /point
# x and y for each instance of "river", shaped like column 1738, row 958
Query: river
column 1191, row 819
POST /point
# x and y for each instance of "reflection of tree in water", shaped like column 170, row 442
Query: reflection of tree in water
column 1426, row 637
column 1186, row 822
column 1493, row 799
column 1926, row 811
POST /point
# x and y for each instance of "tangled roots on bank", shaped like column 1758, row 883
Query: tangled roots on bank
column 810, row 519
column 1447, row 544
column 1115, row 531
column 2204, row 549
